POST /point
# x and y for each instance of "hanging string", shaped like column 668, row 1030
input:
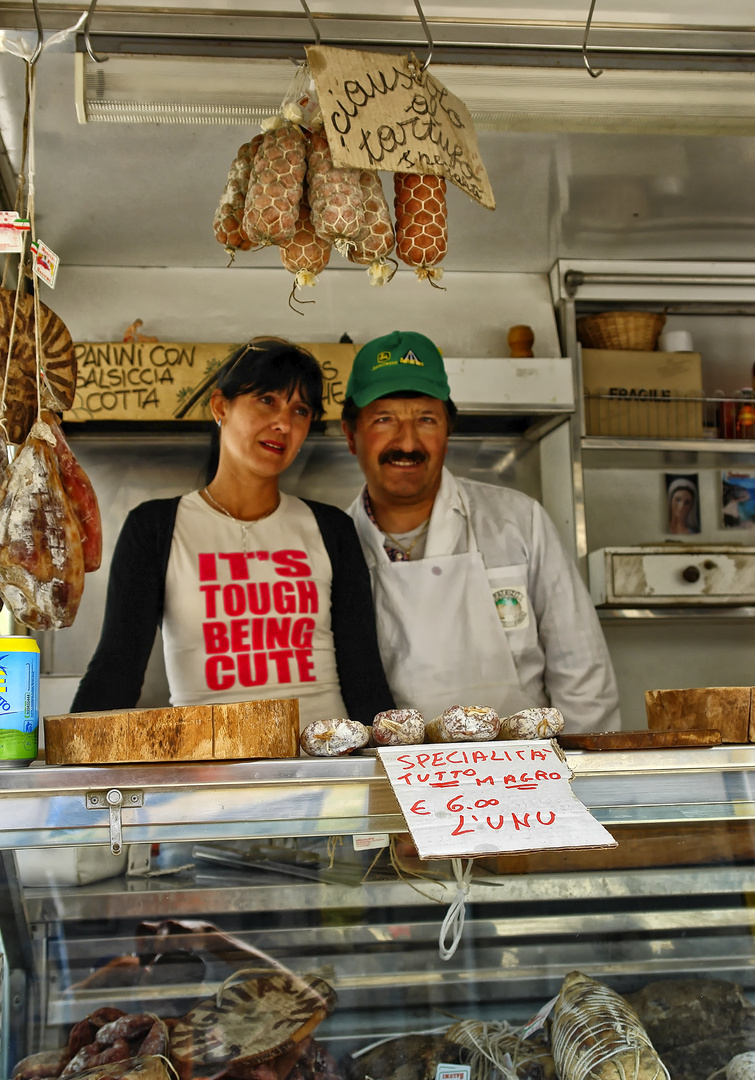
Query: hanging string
column 31, row 213
column 454, row 921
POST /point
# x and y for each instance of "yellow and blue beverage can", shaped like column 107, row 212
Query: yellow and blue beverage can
column 19, row 701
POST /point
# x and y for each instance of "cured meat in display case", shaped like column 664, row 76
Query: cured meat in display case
column 270, row 920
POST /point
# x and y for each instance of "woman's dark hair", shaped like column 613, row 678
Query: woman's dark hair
column 264, row 365
column 350, row 411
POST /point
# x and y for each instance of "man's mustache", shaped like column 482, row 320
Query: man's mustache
column 392, row 457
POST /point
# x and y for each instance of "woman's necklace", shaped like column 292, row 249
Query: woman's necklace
column 408, row 550
column 245, row 525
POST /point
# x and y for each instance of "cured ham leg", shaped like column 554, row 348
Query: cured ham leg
column 41, row 555
column 79, row 490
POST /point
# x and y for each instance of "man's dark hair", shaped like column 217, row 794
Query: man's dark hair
column 350, row 411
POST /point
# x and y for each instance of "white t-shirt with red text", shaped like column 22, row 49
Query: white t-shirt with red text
column 247, row 610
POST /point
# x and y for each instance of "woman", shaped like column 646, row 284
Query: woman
column 259, row 594
column 682, row 507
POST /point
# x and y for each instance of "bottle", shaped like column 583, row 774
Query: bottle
column 746, row 415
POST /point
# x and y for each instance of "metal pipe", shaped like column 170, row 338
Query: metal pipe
column 575, row 279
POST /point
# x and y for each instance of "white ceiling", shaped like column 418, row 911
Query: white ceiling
column 144, row 194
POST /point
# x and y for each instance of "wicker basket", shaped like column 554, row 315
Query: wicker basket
column 620, row 330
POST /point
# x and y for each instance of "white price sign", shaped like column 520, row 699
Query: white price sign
column 465, row 799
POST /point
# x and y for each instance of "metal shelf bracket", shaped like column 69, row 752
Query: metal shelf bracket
column 114, row 800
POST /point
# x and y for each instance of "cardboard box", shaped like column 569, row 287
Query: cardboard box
column 642, row 394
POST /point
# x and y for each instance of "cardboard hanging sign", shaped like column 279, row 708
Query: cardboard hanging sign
column 382, row 113
column 465, row 799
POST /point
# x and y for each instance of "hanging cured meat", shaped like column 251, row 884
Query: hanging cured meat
column 229, row 216
column 306, row 254
column 421, row 224
column 377, row 240
column 41, row 554
column 275, row 189
column 80, row 492
column 335, row 196
column 58, row 363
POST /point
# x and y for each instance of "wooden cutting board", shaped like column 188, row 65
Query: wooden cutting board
column 640, row 740
column 725, row 708
column 246, row 729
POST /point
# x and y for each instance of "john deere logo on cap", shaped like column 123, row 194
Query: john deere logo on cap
column 411, row 358
column 383, row 357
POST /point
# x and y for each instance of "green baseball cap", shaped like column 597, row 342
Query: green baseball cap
column 401, row 360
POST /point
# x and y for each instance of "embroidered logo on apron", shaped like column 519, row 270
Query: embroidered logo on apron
column 512, row 607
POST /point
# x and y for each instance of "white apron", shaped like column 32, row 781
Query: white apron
column 441, row 639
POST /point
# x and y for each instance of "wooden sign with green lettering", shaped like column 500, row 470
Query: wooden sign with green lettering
column 148, row 380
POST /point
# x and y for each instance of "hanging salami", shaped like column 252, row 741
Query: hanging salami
column 335, row 196
column 80, row 492
column 41, row 554
column 306, row 254
column 229, row 216
column 377, row 240
column 421, row 223
column 275, row 189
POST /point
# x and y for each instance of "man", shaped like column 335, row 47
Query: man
column 477, row 602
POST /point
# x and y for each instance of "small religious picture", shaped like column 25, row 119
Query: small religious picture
column 738, row 498
column 682, row 504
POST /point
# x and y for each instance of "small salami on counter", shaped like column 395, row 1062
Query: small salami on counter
column 464, row 723
column 398, row 727
column 332, row 738
column 532, row 724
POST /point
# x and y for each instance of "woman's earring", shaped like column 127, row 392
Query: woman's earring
column 218, row 423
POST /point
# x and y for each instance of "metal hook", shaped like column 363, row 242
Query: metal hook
column 591, row 70
column 87, row 42
column 429, row 36
column 40, row 34
column 312, row 22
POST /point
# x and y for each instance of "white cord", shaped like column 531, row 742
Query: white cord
column 454, row 920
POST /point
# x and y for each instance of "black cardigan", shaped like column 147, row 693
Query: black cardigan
column 136, row 597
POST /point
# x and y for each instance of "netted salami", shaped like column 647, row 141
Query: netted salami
column 596, row 1035
column 332, row 738
column 275, row 188
column 398, row 727
column 421, row 223
column 532, row 724
column 306, row 254
column 377, row 240
column 41, row 554
column 335, row 196
column 229, row 216
column 464, row 723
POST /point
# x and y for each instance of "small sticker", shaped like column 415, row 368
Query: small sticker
column 45, row 263
column 513, row 607
column 365, row 841
column 452, row 1072
column 538, row 1019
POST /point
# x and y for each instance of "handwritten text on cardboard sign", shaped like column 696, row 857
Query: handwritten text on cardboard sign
column 488, row 798
column 380, row 113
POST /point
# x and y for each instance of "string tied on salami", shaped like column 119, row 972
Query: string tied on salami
column 453, row 924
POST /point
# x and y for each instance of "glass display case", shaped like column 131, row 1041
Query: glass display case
column 233, row 871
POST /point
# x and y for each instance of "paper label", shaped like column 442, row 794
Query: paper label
column 485, row 798
column 538, row 1019
column 45, row 263
column 452, row 1072
column 365, row 841
column 12, row 229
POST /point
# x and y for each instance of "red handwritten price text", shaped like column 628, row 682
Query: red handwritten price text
column 468, row 770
